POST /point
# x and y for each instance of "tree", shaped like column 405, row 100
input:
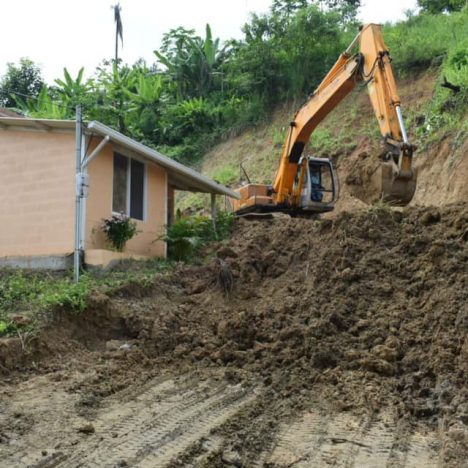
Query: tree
column 441, row 6
column 118, row 29
column 287, row 7
column 144, row 111
column 191, row 61
column 111, row 85
column 285, row 57
column 342, row 3
column 23, row 80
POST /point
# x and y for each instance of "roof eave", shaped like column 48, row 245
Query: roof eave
column 196, row 181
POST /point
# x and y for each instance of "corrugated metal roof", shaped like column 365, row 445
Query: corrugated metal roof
column 24, row 123
column 4, row 112
column 180, row 176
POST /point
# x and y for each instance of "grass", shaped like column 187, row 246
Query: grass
column 226, row 175
column 424, row 40
column 26, row 297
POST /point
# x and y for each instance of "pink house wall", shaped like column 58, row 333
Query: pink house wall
column 37, row 193
column 37, row 197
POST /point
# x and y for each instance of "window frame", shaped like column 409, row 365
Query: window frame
column 129, row 158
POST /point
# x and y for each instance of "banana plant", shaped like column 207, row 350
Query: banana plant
column 149, row 90
column 112, row 97
column 44, row 107
column 145, row 103
column 192, row 61
column 73, row 88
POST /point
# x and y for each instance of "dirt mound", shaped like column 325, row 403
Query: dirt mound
column 369, row 310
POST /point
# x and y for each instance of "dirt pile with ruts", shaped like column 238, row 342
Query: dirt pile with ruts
column 360, row 315
column 368, row 309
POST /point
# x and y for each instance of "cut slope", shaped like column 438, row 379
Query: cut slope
column 350, row 136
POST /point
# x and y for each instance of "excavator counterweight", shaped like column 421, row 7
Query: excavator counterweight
column 310, row 185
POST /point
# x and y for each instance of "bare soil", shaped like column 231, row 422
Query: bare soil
column 341, row 343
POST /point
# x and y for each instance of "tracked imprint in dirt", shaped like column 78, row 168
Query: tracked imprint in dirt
column 342, row 440
column 149, row 429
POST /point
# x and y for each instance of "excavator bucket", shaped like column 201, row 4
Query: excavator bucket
column 397, row 188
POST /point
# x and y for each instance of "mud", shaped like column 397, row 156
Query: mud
column 341, row 342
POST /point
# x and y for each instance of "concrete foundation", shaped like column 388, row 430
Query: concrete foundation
column 94, row 258
column 39, row 262
column 101, row 258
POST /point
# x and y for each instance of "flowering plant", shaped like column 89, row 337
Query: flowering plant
column 119, row 229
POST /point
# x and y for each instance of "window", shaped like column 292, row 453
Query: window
column 129, row 187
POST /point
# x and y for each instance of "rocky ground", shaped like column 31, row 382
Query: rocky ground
column 339, row 342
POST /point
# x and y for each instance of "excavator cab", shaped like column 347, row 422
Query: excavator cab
column 319, row 185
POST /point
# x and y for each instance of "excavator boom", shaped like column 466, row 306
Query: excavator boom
column 370, row 67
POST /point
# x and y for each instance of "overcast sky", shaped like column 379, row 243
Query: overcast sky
column 58, row 33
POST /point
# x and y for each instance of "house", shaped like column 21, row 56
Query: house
column 38, row 192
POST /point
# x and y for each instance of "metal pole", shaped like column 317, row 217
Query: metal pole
column 402, row 125
column 77, row 252
column 213, row 214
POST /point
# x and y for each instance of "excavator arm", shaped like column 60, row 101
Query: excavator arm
column 369, row 67
column 372, row 67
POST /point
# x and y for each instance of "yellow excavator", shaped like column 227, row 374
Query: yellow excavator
column 309, row 185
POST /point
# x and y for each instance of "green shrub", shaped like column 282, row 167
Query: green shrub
column 7, row 327
column 30, row 293
column 119, row 229
column 187, row 234
column 68, row 294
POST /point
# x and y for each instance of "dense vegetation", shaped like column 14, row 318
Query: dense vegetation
column 201, row 89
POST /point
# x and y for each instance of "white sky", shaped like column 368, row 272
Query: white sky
column 58, row 33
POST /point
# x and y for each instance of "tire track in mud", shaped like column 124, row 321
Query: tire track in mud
column 321, row 439
column 159, row 424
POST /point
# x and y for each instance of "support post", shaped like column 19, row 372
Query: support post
column 77, row 251
column 213, row 214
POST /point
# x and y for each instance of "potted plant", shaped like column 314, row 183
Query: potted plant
column 119, row 229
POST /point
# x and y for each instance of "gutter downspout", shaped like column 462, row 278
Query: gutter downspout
column 77, row 251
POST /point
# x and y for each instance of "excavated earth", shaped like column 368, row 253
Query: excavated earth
column 297, row 343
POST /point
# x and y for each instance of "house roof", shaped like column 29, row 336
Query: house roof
column 180, row 176
column 4, row 112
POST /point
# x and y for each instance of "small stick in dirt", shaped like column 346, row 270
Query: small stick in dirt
column 225, row 278
column 23, row 346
